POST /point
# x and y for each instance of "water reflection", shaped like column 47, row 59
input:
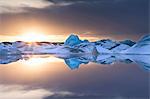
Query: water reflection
column 99, row 77
column 21, row 92
column 75, row 60
column 6, row 59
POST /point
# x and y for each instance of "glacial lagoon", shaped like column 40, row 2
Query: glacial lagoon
column 104, row 76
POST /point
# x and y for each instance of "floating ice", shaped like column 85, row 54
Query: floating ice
column 72, row 40
column 73, row 45
column 141, row 47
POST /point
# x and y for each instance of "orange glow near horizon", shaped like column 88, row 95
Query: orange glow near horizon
column 32, row 36
column 37, row 29
column 38, row 37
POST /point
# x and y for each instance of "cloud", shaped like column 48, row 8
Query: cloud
column 70, row 2
column 86, row 96
column 82, row 1
column 118, row 19
column 16, row 6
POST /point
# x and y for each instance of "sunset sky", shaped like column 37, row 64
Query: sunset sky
column 54, row 20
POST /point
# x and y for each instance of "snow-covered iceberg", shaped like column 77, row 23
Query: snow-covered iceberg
column 74, row 45
column 141, row 47
column 111, row 46
column 76, row 52
column 101, row 46
column 7, row 48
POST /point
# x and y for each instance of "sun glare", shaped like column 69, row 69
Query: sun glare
column 38, row 62
column 33, row 37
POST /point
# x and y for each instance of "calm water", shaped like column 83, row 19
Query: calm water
column 74, row 77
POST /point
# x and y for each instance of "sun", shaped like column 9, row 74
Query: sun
column 33, row 37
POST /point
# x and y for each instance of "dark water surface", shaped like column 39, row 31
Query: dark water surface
column 77, row 77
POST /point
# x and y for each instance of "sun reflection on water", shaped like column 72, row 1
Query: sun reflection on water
column 38, row 61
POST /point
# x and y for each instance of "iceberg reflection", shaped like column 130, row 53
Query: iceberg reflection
column 6, row 59
column 75, row 60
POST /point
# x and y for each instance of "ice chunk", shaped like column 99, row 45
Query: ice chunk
column 141, row 47
column 72, row 40
column 119, row 48
column 110, row 46
column 100, row 49
column 106, row 43
column 86, row 47
column 127, row 42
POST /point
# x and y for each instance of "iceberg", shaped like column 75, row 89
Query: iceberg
column 100, row 50
column 141, row 47
column 76, row 52
column 110, row 46
column 72, row 40
column 73, row 45
column 128, row 42
column 86, row 48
